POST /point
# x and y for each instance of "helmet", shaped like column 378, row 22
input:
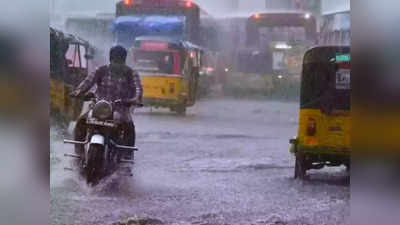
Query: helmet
column 118, row 54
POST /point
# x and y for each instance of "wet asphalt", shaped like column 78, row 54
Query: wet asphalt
column 226, row 162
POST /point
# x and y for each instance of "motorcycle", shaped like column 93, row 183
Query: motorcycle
column 104, row 149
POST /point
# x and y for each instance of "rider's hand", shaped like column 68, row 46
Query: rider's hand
column 118, row 101
column 129, row 102
column 74, row 94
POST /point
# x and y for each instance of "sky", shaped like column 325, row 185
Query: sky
column 108, row 6
column 214, row 7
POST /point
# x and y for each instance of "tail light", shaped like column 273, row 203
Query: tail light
column 210, row 69
column 311, row 127
column 256, row 16
column 188, row 4
column 171, row 88
column 128, row 2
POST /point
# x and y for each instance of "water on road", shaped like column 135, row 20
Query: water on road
column 226, row 162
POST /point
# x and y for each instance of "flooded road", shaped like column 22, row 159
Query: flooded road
column 226, row 162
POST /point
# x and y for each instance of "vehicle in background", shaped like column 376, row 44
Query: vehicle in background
column 211, row 72
column 169, row 70
column 178, row 19
column 324, row 130
column 276, row 43
column 70, row 58
column 263, row 51
column 208, row 73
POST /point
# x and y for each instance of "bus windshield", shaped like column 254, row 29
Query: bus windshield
column 265, row 28
column 127, row 28
column 154, row 61
column 281, row 34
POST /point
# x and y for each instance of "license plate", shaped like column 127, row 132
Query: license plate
column 343, row 80
column 100, row 123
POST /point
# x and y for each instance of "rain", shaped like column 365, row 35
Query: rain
column 224, row 155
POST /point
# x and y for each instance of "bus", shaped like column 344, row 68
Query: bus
column 179, row 20
column 172, row 18
column 276, row 42
column 169, row 70
column 268, row 42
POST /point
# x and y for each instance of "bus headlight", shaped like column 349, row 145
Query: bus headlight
column 283, row 46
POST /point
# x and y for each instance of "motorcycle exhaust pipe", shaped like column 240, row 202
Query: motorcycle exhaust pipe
column 72, row 156
column 75, row 142
column 127, row 161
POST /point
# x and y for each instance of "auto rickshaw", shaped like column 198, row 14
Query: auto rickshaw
column 69, row 65
column 324, row 122
column 169, row 70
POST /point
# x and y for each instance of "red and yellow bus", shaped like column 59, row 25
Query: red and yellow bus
column 169, row 70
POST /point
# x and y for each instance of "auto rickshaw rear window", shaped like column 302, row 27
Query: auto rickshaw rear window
column 326, row 79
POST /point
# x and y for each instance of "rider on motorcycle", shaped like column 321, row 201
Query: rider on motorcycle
column 116, row 83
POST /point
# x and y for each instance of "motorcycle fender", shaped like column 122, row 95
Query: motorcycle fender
column 97, row 139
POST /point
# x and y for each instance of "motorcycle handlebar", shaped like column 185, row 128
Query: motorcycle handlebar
column 88, row 97
column 93, row 97
column 119, row 101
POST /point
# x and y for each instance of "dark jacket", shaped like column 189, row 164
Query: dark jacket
column 113, row 82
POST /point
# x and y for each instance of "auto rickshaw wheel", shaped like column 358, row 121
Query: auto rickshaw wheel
column 181, row 109
column 300, row 170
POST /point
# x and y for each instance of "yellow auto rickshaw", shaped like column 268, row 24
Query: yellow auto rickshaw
column 69, row 65
column 324, row 121
column 169, row 70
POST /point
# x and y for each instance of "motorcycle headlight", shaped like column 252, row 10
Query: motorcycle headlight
column 102, row 110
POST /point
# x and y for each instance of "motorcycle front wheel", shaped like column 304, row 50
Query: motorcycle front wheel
column 94, row 167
